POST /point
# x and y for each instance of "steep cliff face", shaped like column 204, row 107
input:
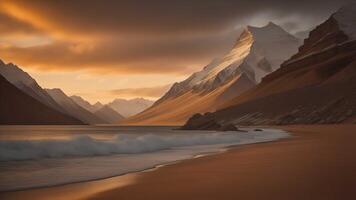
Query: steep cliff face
column 256, row 53
column 316, row 85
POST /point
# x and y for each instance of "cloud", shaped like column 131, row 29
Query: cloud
column 133, row 36
column 149, row 92
column 10, row 25
column 59, row 40
column 157, row 16
column 140, row 55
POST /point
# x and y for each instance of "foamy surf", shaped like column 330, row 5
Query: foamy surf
column 84, row 158
column 79, row 146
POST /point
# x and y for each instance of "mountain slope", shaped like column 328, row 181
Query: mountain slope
column 19, row 108
column 130, row 107
column 256, row 53
column 97, row 105
column 316, row 85
column 109, row 114
column 72, row 108
column 27, row 84
column 85, row 104
column 104, row 112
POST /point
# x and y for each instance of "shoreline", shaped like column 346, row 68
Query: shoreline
column 317, row 162
column 141, row 177
column 134, row 173
column 138, row 172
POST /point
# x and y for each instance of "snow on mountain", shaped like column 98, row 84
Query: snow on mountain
column 257, row 52
column 272, row 45
column 315, row 86
column 130, row 107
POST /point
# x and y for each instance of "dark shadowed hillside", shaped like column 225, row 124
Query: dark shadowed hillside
column 16, row 107
column 317, row 85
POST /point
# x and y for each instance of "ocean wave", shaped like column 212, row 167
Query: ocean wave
column 123, row 144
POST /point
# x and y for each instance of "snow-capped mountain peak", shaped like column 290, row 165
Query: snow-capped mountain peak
column 257, row 52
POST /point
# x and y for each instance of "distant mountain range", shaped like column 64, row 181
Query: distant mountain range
column 130, row 107
column 265, row 79
column 315, row 86
column 256, row 53
column 73, row 109
column 109, row 114
column 85, row 104
column 102, row 111
column 56, row 104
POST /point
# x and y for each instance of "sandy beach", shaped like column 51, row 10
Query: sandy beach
column 317, row 162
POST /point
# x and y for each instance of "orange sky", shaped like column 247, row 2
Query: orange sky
column 103, row 50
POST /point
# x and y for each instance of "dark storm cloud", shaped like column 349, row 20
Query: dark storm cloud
column 144, row 36
column 173, row 15
column 138, row 55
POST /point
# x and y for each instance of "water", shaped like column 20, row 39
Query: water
column 38, row 156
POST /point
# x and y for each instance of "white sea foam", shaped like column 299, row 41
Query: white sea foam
column 123, row 144
column 87, row 158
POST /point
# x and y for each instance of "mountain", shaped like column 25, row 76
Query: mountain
column 55, row 99
column 72, row 108
column 315, row 86
column 102, row 111
column 302, row 34
column 97, row 106
column 130, row 107
column 85, row 104
column 18, row 108
column 256, row 53
column 27, row 84
column 108, row 114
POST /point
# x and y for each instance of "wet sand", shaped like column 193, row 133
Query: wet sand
column 318, row 162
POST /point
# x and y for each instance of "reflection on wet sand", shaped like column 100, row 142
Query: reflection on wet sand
column 75, row 191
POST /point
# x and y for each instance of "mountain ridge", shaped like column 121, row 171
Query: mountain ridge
column 73, row 108
column 316, row 85
column 22, row 80
column 129, row 107
column 249, row 59
column 109, row 114
column 19, row 108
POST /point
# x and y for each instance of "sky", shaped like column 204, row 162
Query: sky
column 102, row 50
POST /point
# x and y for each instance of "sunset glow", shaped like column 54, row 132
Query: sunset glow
column 106, row 48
